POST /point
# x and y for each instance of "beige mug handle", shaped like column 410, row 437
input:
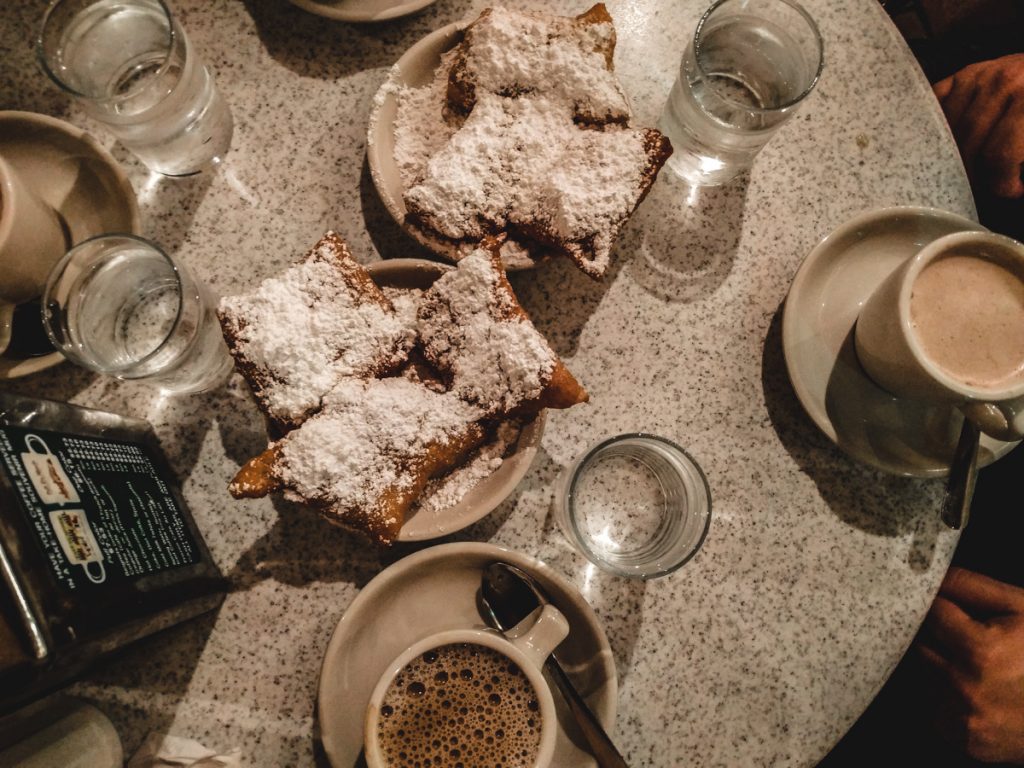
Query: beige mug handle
column 1003, row 420
column 539, row 634
column 6, row 316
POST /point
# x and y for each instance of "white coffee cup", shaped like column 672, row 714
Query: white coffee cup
column 528, row 645
column 31, row 242
column 892, row 341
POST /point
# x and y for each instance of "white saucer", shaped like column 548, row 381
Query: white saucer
column 900, row 436
column 70, row 171
column 436, row 590
column 362, row 10
column 482, row 499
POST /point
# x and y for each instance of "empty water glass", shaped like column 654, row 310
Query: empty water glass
column 749, row 66
column 636, row 505
column 119, row 305
column 130, row 66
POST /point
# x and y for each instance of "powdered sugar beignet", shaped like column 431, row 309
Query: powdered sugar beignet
column 368, row 454
column 472, row 328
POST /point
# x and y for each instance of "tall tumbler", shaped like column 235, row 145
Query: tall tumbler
column 130, row 65
column 750, row 65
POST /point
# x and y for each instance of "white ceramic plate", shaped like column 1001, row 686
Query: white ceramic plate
column 71, row 172
column 904, row 437
column 362, row 10
column 436, row 590
column 495, row 488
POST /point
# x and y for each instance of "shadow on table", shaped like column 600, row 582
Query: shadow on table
column 328, row 49
column 878, row 503
column 302, row 548
column 681, row 243
column 618, row 602
column 390, row 240
column 140, row 687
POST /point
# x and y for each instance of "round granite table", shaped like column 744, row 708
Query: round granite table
column 816, row 572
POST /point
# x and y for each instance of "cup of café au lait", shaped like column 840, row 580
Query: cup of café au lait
column 469, row 696
column 948, row 327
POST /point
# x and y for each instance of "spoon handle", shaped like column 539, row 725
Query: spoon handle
column 601, row 745
column 963, row 472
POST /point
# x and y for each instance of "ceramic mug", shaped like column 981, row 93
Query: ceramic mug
column 31, row 241
column 527, row 646
column 961, row 340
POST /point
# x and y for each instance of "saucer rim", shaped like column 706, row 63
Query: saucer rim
column 15, row 368
column 807, row 400
column 527, row 444
column 338, row 11
column 366, row 596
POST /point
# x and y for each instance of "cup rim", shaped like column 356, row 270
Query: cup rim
column 44, row 62
column 70, row 350
column 796, row 99
column 568, row 494
column 490, row 638
column 918, row 262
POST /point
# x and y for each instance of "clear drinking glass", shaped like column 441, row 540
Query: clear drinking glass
column 750, row 65
column 119, row 305
column 637, row 505
column 130, row 65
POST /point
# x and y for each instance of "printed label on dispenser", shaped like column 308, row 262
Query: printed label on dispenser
column 99, row 509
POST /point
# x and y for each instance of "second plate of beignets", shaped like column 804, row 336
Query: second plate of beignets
column 368, row 454
column 473, row 329
column 298, row 334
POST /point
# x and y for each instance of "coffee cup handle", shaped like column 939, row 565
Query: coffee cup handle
column 6, row 318
column 539, row 634
column 1003, row 420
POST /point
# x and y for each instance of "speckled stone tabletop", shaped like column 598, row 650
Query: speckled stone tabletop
column 816, row 572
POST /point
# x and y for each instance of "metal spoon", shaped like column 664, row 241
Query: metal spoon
column 509, row 595
column 963, row 471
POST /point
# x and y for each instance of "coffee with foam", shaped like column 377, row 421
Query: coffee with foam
column 967, row 313
column 460, row 704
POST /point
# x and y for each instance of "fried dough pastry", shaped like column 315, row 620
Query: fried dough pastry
column 511, row 53
column 474, row 330
column 365, row 458
column 298, row 334
column 541, row 149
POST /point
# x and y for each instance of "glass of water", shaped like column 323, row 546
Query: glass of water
column 119, row 305
column 130, row 65
column 750, row 65
column 636, row 505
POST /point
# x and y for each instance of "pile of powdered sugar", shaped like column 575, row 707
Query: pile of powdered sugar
column 512, row 52
column 521, row 159
column 469, row 328
column 311, row 327
column 362, row 444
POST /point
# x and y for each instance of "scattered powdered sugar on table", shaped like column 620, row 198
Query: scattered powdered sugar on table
column 510, row 52
column 445, row 492
column 497, row 359
column 363, row 443
column 310, row 327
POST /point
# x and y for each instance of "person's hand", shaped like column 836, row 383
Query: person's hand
column 973, row 638
column 984, row 104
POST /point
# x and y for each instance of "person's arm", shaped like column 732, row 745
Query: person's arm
column 984, row 104
column 973, row 638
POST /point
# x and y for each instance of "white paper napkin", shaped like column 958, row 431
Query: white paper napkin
column 162, row 750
